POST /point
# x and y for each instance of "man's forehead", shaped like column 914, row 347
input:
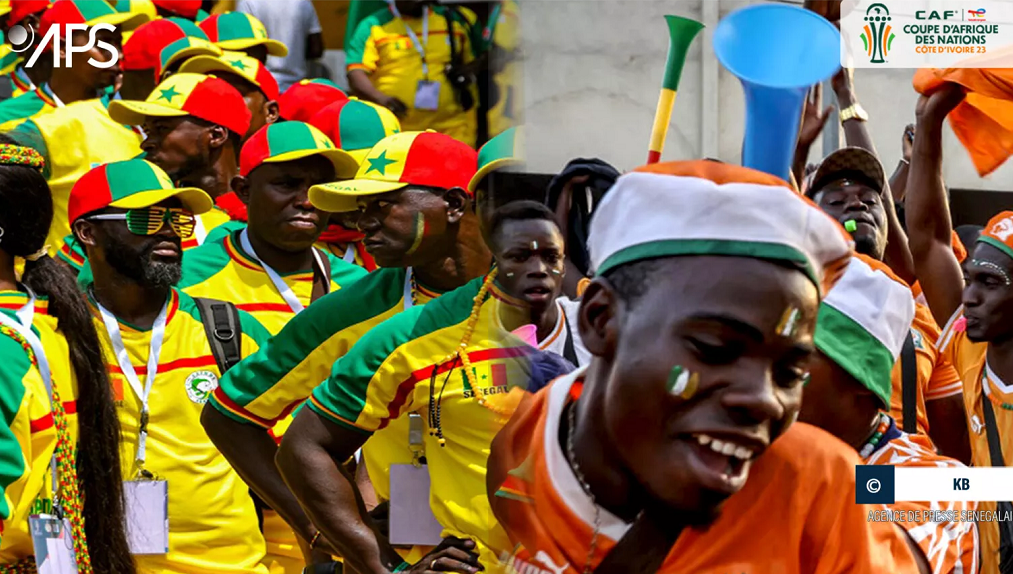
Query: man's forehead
column 845, row 184
column 985, row 252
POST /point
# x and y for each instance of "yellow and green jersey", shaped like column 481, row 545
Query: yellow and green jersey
column 30, row 104
column 224, row 270
column 28, row 435
column 382, row 47
column 401, row 366
column 73, row 139
column 267, row 387
column 212, row 519
column 503, row 32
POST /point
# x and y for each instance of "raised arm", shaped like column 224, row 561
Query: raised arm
column 927, row 209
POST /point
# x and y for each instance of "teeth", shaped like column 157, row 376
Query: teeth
column 703, row 439
column 743, row 453
column 728, row 449
column 725, row 448
column 717, row 446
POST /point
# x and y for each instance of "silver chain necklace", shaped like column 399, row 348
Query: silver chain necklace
column 571, row 421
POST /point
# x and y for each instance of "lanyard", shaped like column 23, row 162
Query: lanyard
column 23, row 326
column 199, row 232
column 409, row 302
column 279, row 283
column 349, row 254
column 157, row 334
column 490, row 27
column 419, row 46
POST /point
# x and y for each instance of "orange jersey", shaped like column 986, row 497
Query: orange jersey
column 937, row 379
column 969, row 359
column 796, row 513
column 949, row 546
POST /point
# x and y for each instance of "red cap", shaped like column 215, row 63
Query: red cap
column 142, row 51
column 204, row 97
column 185, row 8
column 302, row 100
column 22, row 8
column 64, row 12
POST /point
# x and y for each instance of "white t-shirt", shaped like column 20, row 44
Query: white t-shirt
column 556, row 341
column 288, row 21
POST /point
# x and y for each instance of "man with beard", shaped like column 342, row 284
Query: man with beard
column 975, row 310
column 131, row 221
column 80, row 80
column 674, row 450
column 193, row 125
column 529, row 251
column 850, row 186
column 423, row 233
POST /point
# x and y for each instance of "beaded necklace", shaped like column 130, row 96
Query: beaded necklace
column 874, row 441
column 460, row 353
column 68, row 494
column 985, row 384
column 571, row 419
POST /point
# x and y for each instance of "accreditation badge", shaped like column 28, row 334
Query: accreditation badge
column 427, row 96
column 411, row 518
column 147, row 509
column 53, row 544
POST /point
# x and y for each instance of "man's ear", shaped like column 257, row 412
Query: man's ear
column 598, row 319
column 218, row 136
column 241, row 186
column 271, row 112
column 458, row 202
column 85, row 231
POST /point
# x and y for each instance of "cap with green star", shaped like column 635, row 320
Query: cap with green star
column 237, row 63
column 205, row 97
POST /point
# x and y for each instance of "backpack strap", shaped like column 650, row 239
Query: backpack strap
column 321, row 274
column 909, row 384
column 224, row 332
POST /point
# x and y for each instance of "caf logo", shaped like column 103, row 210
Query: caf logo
column 200, row 385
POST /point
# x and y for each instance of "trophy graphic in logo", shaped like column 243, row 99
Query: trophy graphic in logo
column 877, row 37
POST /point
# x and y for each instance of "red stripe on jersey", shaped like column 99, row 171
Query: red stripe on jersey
column 189, row 362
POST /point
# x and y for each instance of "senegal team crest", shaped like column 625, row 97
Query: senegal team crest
column 200, row 385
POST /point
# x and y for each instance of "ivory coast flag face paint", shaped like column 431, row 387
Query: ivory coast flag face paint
column 682, row 382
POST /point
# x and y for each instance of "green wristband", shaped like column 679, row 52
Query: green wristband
column 402, row 567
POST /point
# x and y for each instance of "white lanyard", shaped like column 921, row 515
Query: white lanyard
column 408, row 301
column 157, row 335
column 24, row 328
column 420, row 46
column 199, row 232
column 283, row 289
column 349, row 254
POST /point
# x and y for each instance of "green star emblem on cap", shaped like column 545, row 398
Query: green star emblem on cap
column 380, row 163
column 237, row 64
column 168, row 94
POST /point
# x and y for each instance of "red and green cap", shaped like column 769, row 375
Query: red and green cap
column 20, row 9
column 205, row 97
column 89, row 12
column 426, row 158
column 146, row 7
column 238, row 63
column 189, row 9
column 504, row 151
column 307, row 97
column 130, row 184
column 179, row 50
column 144, row 47
column 356, row 126
column 289, row 141
column 239, row 31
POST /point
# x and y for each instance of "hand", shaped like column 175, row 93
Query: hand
column 452, row 555
column 907, row 141
column 814, row 117
column 395, row 105
column 829, row 9
column 937, row 105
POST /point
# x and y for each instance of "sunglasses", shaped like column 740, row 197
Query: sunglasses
column 149, row 220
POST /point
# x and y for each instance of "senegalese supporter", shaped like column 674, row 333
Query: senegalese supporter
column 302, row 100
column 421, row 229
column 249, row 76
column 189, row 9
column 529, row 251
column 141, row 52
column 975, row 311
column 145, row 7
column 193, row 125
column 408, row 75
column 354, row 126
column 850, row 185
column 640, row 465
column 501, row 36
column 27, row 14
column 173, row 55
column 81, row 80
column 56, row 393
column 241, row 32
column 162, row 365
column 861, row 327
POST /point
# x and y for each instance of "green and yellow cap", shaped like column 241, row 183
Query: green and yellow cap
column 289, row 141
column 356, row 126
column 238, row 31
column 186, row 47
column 130, row 184
column 501, row 152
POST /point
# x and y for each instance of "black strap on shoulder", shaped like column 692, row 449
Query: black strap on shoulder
column 569, row 352
column 909, row 384
column 1005, row 508
column 323, row 276
column 225, row 334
